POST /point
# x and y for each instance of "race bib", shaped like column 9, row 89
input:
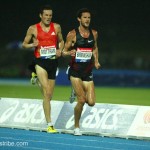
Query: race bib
column 47, row 52
column 83, row 54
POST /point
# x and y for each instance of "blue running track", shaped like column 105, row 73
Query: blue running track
column 17, row 139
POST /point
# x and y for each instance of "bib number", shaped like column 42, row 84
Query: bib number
column 47, row 52
column 83, row 54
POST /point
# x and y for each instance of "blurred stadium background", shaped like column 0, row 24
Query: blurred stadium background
column 123, row 38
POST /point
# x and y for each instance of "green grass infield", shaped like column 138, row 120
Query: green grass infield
column 113, row 95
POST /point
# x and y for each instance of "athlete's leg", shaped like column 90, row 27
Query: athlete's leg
column 47, row 87
column 80, row 93
column 36, row 80
column 90, row 92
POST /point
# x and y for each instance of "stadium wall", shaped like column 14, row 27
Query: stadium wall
column 124, row 78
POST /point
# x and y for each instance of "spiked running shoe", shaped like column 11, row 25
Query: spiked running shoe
column 51, row 129
column 72, row 96
column 33, row 78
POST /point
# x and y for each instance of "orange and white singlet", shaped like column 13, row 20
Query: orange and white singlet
column 47, row 43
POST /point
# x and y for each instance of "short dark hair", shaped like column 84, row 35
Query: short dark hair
column 45, row 7
column 82, row 10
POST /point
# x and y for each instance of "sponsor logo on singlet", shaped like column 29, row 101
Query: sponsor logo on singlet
column 53, row 33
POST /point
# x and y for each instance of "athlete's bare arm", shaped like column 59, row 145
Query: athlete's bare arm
column 60, row 39
column 70, row 40
column 95, row 50
column 30, row 35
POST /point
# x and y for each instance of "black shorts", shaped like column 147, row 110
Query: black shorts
column 88, row 76
column 50, row 65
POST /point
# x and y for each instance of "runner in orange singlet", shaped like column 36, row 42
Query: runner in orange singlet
column 46, row 38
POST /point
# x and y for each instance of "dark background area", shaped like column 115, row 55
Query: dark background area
column 123, row 27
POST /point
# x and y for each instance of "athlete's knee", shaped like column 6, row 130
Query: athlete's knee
column 47, row 94
column 91, row 103
column 81, row 101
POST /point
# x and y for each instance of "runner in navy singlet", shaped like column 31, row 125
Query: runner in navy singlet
column 81, row 45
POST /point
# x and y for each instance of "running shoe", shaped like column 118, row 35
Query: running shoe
column 33, row 78
column 72, row 96
column 77, row 132
column 51, row 129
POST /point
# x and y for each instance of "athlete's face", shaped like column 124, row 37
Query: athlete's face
column 46, row 17
column 85, row 19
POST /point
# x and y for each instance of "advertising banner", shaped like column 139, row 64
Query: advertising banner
column 102, row 119
column 26, row 113
column 141, row 124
